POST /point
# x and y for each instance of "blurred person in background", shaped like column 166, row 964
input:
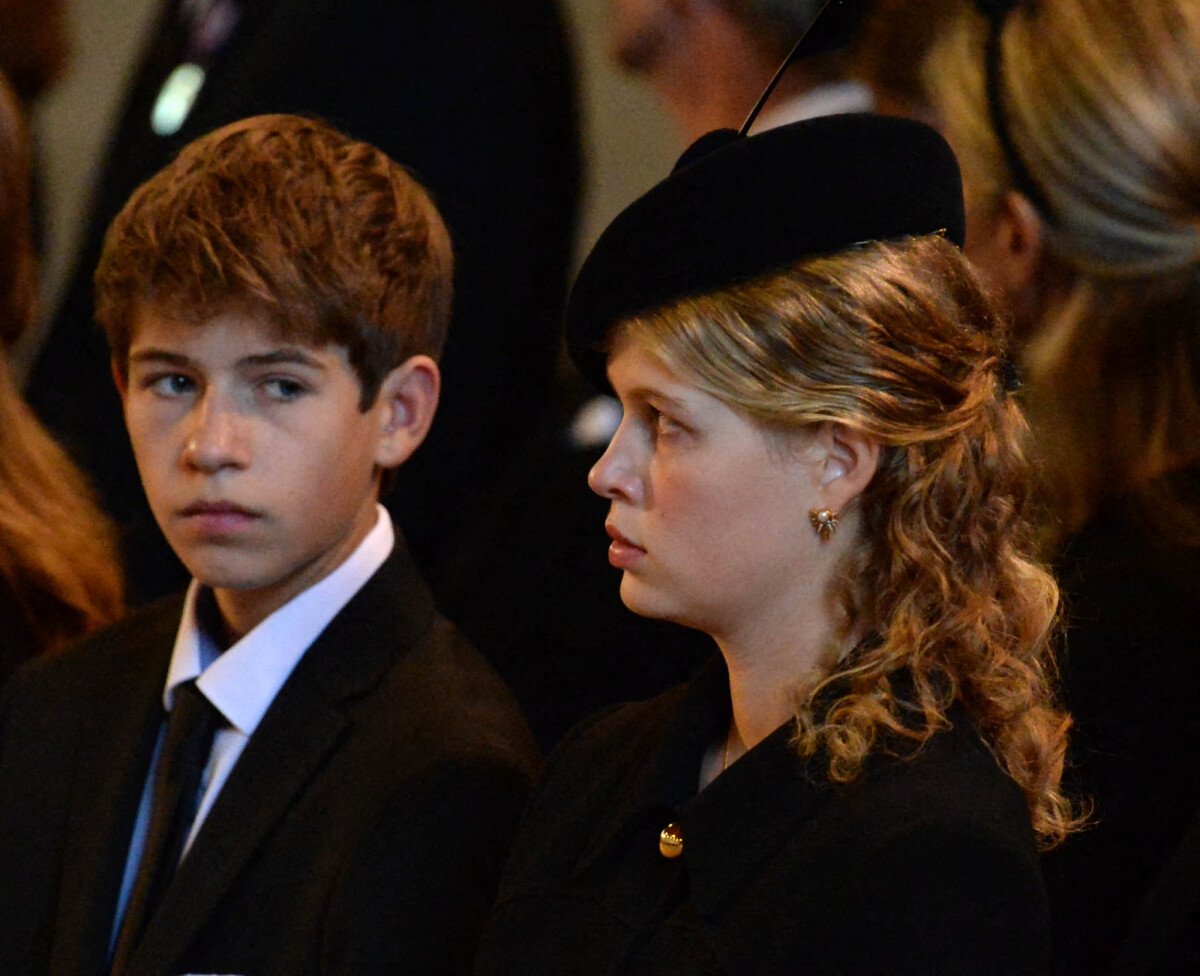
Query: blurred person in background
column 709, row 60
column 34, row 45
column 35, row 51
column 1077, row 123
column 891, row 49
column 60, row 576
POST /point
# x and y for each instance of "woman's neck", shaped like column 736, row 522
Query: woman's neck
column 765, row 676
column 762, row 693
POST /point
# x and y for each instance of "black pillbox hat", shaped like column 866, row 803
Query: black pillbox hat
column 736, row 208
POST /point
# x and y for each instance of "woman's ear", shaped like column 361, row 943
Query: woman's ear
column 407, row 401
column 846, row 462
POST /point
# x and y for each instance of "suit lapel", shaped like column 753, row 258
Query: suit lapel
column 280, row 758
column 305, row 722
column 117, row 729
column 746, row 816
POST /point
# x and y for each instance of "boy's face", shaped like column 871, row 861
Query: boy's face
column 259, row 467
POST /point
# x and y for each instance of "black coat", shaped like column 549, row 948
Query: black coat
column 919, row 867
column 361, row 831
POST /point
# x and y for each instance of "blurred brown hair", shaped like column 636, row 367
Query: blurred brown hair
column 59, row 566
column 58, row 552
column 284, row 218
column 18, row 271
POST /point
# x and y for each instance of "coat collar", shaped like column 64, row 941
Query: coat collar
column 386, row 618
column 738, row 821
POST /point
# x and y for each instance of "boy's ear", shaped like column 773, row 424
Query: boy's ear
column 846, row 462
column 119, row 377
column 407, row 401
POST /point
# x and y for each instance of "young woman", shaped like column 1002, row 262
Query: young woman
column 821, row 466
column 1078, row 126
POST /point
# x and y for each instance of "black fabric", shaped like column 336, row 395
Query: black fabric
column 925, row 866
column 1170, row 913
column 361, row 831
column 17, row 644
column 1131, row 591
column 174, row 798
column 738, row 208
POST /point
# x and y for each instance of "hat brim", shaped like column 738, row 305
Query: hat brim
column 754, row 205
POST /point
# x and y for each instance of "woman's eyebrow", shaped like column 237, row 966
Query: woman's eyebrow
column 655, row 393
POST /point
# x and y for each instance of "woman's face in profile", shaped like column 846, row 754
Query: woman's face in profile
column 709, row 514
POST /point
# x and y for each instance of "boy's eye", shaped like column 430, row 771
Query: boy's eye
column 171, row 384
column 283, row 388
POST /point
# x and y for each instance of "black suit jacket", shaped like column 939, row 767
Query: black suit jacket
column 918, row 868
column 361, row 830
column 477, row 98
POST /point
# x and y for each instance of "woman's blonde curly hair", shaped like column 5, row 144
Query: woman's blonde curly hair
column 943, row 601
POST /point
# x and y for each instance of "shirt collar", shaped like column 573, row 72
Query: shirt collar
column 244, row 680
column 835, row 98
column 739, row 820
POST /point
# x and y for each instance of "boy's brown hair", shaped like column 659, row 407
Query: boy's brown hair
column 291, row 222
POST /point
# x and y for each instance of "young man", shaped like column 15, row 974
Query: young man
column 275, row 300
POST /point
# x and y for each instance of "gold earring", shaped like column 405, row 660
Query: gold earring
column 824, row 521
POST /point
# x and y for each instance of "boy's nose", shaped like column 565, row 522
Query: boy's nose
column 216, row 439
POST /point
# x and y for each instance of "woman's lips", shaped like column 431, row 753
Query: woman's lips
column 622, row 553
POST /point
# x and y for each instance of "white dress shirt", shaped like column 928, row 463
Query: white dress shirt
column 242, row 681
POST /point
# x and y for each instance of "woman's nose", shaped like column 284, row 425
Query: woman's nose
column 614, row 475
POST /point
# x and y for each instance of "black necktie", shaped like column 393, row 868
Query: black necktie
column 173, row 801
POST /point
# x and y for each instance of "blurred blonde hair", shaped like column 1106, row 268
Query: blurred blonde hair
column 898, row 341
column 1102, row 99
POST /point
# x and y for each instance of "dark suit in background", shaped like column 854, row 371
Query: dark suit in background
column 477, row 98
column 361, row 831
column 1132, row 596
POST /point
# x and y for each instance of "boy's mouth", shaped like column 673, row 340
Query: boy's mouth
column 218, row 518
column 216, row 508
